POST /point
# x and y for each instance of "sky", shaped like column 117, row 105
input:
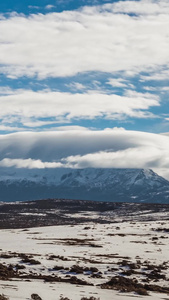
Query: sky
column 84, row 84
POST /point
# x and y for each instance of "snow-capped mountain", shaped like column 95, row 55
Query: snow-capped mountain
column 127, row 185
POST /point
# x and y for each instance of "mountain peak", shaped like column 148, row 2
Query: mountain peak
column 124, row 185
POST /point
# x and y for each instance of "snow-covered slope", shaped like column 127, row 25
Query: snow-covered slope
column 132, row 185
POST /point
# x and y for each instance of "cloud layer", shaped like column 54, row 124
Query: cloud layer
column 111, row 148
column 128, row 35
column 29, row 108
column 88, row 66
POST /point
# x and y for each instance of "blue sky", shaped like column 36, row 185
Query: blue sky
column 40, row 6
column 123, row 53
column 84, row 66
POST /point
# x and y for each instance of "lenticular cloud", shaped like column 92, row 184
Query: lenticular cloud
column 111, row 148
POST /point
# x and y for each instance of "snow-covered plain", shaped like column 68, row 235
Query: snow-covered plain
column 112, row 249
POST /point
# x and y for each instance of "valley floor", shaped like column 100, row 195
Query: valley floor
column 127, row 258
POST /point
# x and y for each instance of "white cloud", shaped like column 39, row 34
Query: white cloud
column 35, row 123
column 140, row 157
column 111, row 148
column 33, row 7
column 49, row 6
column 10, row 128
column 117, row 82
column 76, row 86
column 70, row 128
column 27, row 107
column 28, row 163
column 165, row 88
column 157, row 75
column 99, row 38
column 5, row 90
column 150, row 88
column 165, row 133
column 144, row 7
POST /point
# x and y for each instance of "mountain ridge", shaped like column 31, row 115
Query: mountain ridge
column 123, row 185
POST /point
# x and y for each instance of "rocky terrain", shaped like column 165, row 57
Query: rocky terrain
column 83, row 250
column 72, row 212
